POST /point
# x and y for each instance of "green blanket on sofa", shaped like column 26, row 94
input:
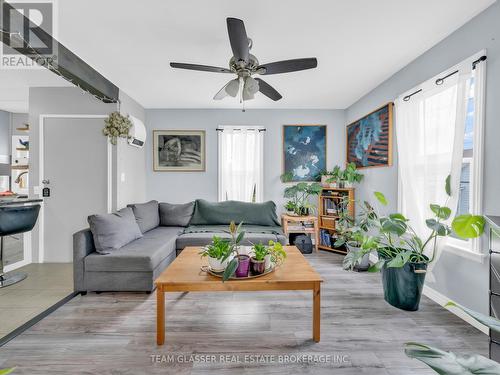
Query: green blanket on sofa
column 222, row 213
column 222, row 228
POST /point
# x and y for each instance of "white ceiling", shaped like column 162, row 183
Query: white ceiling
column 358, row 43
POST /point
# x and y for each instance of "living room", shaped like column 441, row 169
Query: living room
column 329, row 205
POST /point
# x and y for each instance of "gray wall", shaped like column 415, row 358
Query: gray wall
column 18, row 121
column 458, row 278
column 186, row 186
column 5, row 119
column 130, row 176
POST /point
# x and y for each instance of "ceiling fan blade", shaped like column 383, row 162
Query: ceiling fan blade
column 238, row 39
column 203, row 68
column 221, row 94
column 268, row 90
column 287, row 66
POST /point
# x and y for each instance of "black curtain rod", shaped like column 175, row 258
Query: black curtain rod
column 440, row 81
column 260, row 130
column 408, row 97
column 474, row 63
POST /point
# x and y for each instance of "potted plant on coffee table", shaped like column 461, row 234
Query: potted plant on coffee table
column 258, row 259
column 264, row 257
column 403, row 255
column 218, row 253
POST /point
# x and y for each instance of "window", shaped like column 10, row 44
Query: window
column 439, row 127
column 241, row 163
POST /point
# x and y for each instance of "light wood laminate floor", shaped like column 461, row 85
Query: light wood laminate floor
column 114, row 333
column 46, row 284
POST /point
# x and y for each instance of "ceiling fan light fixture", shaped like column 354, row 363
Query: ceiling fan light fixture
column 233, row 87
column 250, row 88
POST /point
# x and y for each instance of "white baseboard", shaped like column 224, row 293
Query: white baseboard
column 442, row 300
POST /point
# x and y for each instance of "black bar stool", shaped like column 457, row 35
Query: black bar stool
column 14, row 220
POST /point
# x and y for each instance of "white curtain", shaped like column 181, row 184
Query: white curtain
column 430, row 133
column 241, row 163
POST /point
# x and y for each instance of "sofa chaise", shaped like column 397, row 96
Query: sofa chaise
column 127, row 250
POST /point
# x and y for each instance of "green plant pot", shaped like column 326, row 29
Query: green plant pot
column 403, row 286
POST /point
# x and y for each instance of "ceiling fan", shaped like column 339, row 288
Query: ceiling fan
column 245, row 65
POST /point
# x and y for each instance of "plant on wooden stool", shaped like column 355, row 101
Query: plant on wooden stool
column 299, row 195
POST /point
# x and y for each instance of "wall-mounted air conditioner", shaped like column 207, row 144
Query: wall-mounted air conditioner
column 137, row 133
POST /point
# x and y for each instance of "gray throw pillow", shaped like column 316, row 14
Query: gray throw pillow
column 147, row 215
column 176, row 215
column 113, row 231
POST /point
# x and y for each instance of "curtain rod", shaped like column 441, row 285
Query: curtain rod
column 474, row 63
column 260, row 130
column 440, row 81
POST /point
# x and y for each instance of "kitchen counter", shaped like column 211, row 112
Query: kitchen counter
column 4, row 201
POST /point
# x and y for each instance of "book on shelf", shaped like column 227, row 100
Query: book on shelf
column 330, row 207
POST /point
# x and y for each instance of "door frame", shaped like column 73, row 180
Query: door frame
column 41, row 158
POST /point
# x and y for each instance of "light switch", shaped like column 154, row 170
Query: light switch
column 122, row 177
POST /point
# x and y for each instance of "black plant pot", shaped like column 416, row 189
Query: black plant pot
column 302, row 211
column 403, row 286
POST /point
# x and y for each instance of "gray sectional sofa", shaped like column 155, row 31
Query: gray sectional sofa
column 127, row 250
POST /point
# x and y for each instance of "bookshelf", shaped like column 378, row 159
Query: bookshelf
column 329, row 200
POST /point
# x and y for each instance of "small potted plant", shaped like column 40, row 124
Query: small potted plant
column 290, row 208
column 351, row 176
column 277, row 254
column 350, row 233
column 258, row 260
column 331, row 179
column 218, row 253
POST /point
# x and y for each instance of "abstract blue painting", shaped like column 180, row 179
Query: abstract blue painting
column 369, row 140
column 304, row 151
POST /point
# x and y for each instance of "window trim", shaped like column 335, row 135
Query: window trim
column 475, row 245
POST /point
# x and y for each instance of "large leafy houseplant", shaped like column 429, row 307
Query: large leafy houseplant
column 299, row 195
column 404, row 255
column 449, row 363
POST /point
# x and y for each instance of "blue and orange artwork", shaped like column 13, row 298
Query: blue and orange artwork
column 369, row 139
column 304, row 148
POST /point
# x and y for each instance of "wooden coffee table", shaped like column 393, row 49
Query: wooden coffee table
column 184, row 275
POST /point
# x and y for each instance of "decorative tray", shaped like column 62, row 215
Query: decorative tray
column 250, row 276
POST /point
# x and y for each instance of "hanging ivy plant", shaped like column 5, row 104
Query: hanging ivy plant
column 117, row 125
